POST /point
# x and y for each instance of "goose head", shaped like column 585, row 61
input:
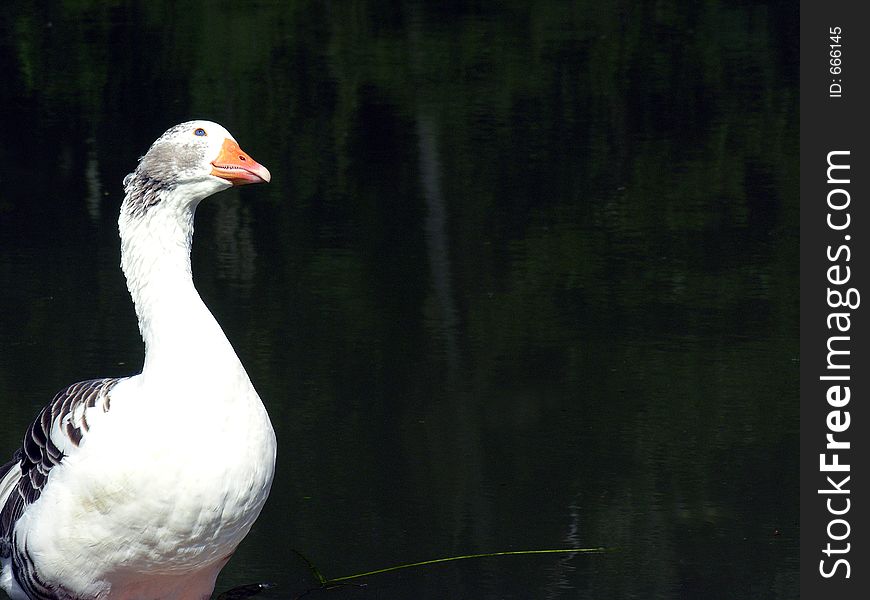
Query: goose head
column 187, row 163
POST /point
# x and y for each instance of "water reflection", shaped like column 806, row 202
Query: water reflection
column 514, row 285
column 437, row 242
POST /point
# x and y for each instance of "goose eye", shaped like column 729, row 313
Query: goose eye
column 199, row 131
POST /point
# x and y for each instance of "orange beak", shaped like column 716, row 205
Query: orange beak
column 234, row 165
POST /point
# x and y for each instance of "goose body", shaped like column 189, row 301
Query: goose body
column 142, row 487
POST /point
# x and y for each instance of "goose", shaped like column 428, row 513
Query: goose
column 142, row 487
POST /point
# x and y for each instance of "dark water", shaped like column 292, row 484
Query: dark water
column 526, row 275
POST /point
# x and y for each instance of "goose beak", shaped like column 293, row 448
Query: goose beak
column 234, row 165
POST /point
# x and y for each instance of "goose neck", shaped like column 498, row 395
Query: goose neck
column 175, row 324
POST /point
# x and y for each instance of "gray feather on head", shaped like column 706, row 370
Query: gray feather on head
column 167, row 158
column 171, row 155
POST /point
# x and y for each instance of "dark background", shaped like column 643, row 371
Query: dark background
column 526, row 275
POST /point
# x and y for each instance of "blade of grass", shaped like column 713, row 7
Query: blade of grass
column 324, row 581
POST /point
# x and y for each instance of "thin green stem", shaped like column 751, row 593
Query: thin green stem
column 423, row 563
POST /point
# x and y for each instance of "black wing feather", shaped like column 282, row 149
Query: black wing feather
column 39, row 453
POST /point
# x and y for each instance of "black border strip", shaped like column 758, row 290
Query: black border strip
column 835, row 366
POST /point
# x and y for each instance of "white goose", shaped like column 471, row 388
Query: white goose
column 142, row 487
